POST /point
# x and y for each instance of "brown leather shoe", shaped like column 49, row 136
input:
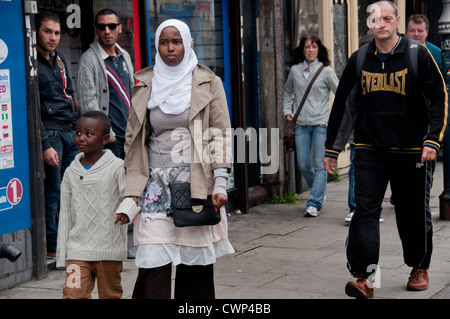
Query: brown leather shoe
column 418, row 280
column 360, row 289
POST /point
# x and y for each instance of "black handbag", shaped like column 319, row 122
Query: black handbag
column 187, row 211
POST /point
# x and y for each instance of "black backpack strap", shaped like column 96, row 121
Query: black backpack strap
column 360, row 58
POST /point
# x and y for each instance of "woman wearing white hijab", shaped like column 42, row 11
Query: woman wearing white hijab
column 176, row 95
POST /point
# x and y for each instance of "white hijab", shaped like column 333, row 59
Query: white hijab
column 172, row 85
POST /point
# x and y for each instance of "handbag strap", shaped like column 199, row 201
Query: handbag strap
column 294, row 120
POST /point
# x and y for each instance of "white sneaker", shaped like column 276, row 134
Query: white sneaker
column 349, row 217
column 311, row 211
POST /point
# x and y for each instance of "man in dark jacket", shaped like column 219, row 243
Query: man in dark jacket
column 59, row 116
column 399, row 120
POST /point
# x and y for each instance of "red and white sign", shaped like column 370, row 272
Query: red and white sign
column 14, row 191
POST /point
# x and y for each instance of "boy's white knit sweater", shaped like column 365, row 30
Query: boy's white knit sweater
column 89, row 199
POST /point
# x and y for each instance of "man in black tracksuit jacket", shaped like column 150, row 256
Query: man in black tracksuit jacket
column 59, row 116
column 399, row 120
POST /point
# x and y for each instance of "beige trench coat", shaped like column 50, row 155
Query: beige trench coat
column 208, row 110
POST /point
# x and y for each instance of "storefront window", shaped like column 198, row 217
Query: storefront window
column 340, row 37
column 204, row 18
column 365, row 35
column 307, row 19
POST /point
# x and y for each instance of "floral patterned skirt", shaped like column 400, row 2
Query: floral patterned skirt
column 160, row 242
column 157, row 197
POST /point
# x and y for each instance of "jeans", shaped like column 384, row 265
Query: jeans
column 64, row 145
column 311, row 140
column 351, row 181
column 117, row 147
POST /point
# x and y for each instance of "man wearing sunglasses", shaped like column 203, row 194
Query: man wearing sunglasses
column 105, row 78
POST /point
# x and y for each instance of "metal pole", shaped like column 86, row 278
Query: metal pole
column 444, row 30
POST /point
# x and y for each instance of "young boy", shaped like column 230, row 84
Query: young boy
column 92, row 240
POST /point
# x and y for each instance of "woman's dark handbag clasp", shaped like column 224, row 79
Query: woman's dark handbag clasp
column 187, row 211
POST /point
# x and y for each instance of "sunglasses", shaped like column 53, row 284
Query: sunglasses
column 111, row 26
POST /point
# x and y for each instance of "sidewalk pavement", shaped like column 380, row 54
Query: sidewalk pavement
column 280, row 254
